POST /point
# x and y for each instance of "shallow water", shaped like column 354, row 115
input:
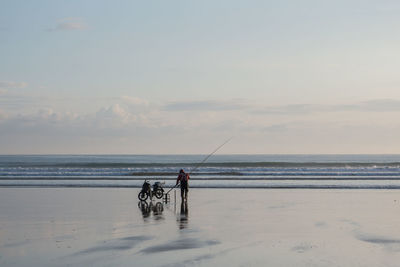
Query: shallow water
column 217, row 227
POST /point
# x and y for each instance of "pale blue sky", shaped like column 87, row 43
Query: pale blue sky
column 180, row 76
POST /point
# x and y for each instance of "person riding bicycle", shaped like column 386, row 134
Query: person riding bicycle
column 183, row 179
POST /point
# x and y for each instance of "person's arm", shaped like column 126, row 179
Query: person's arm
column 177, row 180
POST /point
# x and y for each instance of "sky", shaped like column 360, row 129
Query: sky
column 181, row 77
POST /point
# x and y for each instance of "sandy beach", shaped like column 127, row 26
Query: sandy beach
column 281, row 116
column 219, row 227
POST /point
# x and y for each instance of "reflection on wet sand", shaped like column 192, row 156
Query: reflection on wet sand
column 148, row 208
column 183, row 217
column 151, row 210
column 180, row 244
column 118, row 244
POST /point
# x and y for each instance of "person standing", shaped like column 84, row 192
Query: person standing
column 183, row 179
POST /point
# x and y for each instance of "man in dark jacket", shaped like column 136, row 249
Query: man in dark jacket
column 183, row 178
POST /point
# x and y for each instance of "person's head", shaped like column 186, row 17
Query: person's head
column 181, row 171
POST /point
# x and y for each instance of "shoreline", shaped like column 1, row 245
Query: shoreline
column 327, row 188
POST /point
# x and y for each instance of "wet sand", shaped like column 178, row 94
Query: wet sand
column 218, row 227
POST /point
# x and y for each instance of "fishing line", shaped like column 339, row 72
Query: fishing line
column 204, row 160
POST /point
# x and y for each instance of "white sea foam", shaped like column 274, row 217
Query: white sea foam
column 232, row 171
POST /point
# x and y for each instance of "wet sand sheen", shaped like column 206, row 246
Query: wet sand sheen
column 218, row 227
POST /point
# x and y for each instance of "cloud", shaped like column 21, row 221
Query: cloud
column 12, row 85
column 113, row 111
column 376, row 105
column 116, row 114
column 290, row 109
column 135, row 123
column 380, row 105
column 276, row 128
column 69, row 24
column 113, row 120
column 135, row 101
column 205, row 105
column 17, row 102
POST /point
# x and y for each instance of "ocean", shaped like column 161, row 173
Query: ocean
column 219, row 171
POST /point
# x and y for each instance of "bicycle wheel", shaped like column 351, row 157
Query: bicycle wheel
column 143, row 196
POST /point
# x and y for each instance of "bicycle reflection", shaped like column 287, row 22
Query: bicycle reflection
column 148, row 209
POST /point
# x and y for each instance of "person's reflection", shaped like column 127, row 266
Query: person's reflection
column 184, row 215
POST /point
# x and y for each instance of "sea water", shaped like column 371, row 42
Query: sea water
column 219, row 171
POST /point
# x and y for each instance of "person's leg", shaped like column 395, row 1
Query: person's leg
column 182, row 191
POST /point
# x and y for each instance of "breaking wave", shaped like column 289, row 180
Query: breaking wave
column 223, row 171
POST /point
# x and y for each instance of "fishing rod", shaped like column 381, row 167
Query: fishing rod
column 204, row 160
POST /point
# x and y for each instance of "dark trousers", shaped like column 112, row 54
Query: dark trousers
column 184, row 189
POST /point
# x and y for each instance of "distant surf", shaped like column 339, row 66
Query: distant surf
column 220, row 171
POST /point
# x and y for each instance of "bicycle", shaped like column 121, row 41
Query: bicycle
column 146, row 191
